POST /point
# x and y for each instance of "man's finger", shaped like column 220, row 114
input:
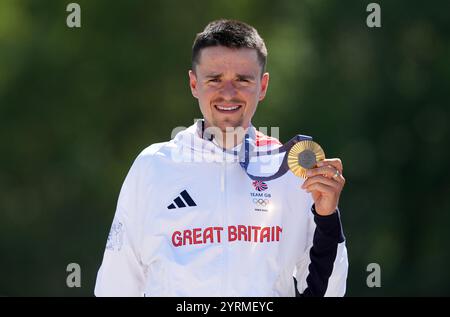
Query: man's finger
column 335, row 162
column 320, row 179
column 328, row 171
column 325, row 189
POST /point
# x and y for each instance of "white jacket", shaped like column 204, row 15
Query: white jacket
column 190, row 222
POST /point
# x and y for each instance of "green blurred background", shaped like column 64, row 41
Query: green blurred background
column 78, row 105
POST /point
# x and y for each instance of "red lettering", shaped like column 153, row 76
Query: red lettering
column 232, row 236
column 279, row 230
column 187, row 235
column 218, row 230
column 176, row 239
column 242, row 230
column 197, row 235
column 208, row 234
column 265, row 233
column 239, row 232
column 256, row 230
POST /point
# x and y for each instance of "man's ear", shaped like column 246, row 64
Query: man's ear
column 264, row 85
column 193, row 83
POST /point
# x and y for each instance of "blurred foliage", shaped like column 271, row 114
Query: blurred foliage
column 78, row 105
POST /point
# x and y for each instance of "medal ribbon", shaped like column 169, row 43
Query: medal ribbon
column 284, row 148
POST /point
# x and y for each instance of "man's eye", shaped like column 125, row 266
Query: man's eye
column 214, row 80
column 243, row 80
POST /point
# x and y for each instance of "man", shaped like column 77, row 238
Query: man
column 190, row 221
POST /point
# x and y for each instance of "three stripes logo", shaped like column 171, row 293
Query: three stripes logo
column 183, row 200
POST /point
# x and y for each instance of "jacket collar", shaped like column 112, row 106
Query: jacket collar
column 198, row 146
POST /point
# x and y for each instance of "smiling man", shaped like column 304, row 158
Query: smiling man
column 203, row 227
column 228, row 82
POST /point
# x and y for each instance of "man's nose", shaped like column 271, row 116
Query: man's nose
column 228, row 90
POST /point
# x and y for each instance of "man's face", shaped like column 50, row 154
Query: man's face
column 228, row 85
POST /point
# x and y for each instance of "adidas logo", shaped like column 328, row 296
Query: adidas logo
column 181, row 203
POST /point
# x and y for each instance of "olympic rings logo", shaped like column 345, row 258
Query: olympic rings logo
column 261, row 202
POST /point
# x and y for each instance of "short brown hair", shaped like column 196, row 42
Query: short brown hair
column 232, row 34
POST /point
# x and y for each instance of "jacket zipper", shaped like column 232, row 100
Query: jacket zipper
column 224, row 289
column 222, row 178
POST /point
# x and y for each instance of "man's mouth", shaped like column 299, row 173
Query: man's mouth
column 228, row 109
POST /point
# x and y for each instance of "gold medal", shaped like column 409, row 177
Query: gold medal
column 304, row 155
